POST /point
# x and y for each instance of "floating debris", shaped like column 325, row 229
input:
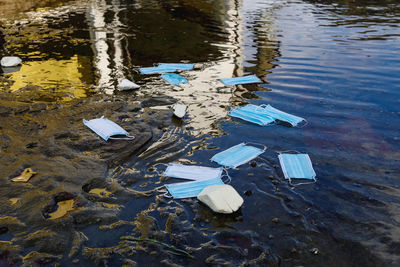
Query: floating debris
column 180, row 110
column 221, row 198
column 25, row 176
column 297, row 166
column 192, row 172
column 174, row 78
column 10, row 61
column 177, row 66
column 241, row 80
column 264, row 115
column 190, row 189
column 237, row 155
column 158, row 69
column 126, row 84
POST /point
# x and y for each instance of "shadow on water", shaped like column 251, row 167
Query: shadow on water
column 332, row 62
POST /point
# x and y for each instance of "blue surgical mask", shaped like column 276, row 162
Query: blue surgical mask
column 296, row 166
column 177, row 66
column 158, row 69
column 241, row 80
column 280, row 115
column 237, row 155
column 106, row 129
column 190, row 189
column 174, row 78
column 194, row 173
column 251, row 113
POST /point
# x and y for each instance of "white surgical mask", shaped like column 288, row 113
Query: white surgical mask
column 192, row 172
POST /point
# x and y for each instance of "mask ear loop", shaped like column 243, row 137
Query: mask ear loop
column 304, row 124
column 136, row 70
column 265, row 161
column 281, row 152
column 303, row 183
column 156, row 171
column 227, row 175
column 163, row 189
column 257, row 144
column 128, row 137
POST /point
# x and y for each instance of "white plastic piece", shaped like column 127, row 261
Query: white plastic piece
column 221, row 198
column 180, row 110
column 10, row 61
column 126, row 84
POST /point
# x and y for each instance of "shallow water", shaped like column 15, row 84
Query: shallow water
column 334, row 63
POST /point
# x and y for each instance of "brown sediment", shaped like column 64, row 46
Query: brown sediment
column 71, row 160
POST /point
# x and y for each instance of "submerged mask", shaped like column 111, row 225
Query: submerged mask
column 241, row 80
column 106, row 129
column 177, row 66
column 297, row 166
column 174, row 78
column 191, row 189
column 237, row 155
column 193, row 172
column 251, row 113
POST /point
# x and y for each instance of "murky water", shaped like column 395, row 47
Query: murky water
column 334, row 63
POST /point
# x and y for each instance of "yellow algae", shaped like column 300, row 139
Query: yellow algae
column 34, row 255
column 52, row 73
column 8, row 220
column 63, row 208
column 111, row 206
column 25, row 176
column 14, row 200
column 102, row 192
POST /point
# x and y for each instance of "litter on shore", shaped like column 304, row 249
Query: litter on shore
column 107, row 129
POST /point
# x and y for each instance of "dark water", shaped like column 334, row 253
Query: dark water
column 335, row 63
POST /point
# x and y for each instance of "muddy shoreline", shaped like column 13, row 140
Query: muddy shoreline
column 70, row 161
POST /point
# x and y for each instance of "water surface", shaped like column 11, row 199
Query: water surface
column 334, row 63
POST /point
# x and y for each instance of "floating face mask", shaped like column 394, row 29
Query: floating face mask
column 296, row 166
column 158, row 69
column 174, row 78
column 251, row 113
column 241, row 80
column 190, row 189
column 237, row 155
column 126, row 84
column 177, row 66
column 194, row 173
column 106, row 129
column 280, row 115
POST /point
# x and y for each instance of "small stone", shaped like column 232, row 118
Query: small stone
column 248, row 193
column 270, row 236
column 314, row 251
column 275, row 220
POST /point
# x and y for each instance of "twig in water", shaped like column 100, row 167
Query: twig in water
column 170, row 247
